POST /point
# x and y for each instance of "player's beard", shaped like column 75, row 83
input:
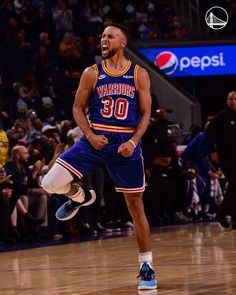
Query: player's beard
column 110, row 54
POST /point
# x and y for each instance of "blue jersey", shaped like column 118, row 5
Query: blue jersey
column 114, row 112
column 114, row 102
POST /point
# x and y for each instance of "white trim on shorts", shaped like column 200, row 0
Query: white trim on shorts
column 69, row 167
column 130, row 190
column 133, row 190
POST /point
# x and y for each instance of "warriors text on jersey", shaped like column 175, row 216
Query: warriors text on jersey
column 114, row 101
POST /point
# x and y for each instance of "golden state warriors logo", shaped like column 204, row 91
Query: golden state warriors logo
column 216, row 18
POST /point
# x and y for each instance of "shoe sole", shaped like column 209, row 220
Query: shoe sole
column 147, row 287
column 147, row 292
column 91, row 201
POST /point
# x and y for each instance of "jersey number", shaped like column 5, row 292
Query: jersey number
column 119, row 108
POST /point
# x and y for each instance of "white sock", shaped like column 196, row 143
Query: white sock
column 145, row 256
column 79, row 196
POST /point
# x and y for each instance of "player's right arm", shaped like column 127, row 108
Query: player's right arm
column 82, row 96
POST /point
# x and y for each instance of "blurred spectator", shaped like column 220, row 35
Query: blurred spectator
column 28, row 94
column 221, row 137
column 63, row 19
column 4, row 146
column 19, row 6
column 196, row 156
column 176, row 29
column 5, row 195
column 45, row 41
column 158, row 159
column 65, row 126
column 11, row 34
column 67, row 42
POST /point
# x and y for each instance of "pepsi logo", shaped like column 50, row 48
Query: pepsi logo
column 167, row 62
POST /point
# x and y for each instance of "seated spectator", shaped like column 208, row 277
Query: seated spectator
column 25, row 183
column 28, row 94
column 63, row 19
column 45, row 41
column 65, row 126
column 4, row 147
column 67, row 42
column 37, row 126
column 5, row 195
column 11, row 34
column 29, row 221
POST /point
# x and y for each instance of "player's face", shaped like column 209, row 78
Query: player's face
column 111, row 42
column 231, row 102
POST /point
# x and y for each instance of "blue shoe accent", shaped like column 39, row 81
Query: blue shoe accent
column 67, row 210
column 70, row 208
column 147, row 275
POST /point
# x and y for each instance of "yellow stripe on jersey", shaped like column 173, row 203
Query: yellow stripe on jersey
column 110, row 128
column 118, row 74
column 136, row 76
column 96, row 70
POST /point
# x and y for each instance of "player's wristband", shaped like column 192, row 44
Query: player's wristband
column 130, row 140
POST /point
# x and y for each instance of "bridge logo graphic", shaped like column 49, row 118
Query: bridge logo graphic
column 216, row 18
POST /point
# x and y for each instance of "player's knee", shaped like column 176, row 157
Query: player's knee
column 49, row 185
column 135, row 205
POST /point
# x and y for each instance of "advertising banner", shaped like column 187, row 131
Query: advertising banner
column 193, row 61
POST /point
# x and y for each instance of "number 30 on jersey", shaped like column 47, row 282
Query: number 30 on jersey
column 118, row 108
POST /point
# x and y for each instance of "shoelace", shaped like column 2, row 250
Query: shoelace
column 146, row 273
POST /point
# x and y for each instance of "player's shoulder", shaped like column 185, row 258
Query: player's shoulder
column 90, row 73
column 142, row 75
column 90, row 70
column 141, row 71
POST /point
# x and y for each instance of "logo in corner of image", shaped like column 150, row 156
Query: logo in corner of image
column 216, row 18
column 167, row 62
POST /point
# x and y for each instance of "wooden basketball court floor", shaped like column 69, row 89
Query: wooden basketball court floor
column 192, row 259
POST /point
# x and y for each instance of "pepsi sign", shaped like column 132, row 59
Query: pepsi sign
column 193, row 61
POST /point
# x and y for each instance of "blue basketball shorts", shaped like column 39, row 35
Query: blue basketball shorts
column 127, row 173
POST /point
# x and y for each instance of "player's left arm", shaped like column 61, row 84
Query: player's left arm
column 144, row 101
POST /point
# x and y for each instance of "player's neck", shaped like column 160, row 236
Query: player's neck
column 116, row 64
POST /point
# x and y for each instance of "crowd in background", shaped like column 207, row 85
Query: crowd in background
column 44, row 47
column 179, row 188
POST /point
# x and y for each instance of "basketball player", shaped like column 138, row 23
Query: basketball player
column 117, row 93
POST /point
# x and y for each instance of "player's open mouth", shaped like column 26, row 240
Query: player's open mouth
column 104, row 49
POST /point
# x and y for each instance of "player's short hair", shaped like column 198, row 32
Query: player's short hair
column 123, row 28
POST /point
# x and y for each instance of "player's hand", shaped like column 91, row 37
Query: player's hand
column 126, row 149
column 98, row 141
